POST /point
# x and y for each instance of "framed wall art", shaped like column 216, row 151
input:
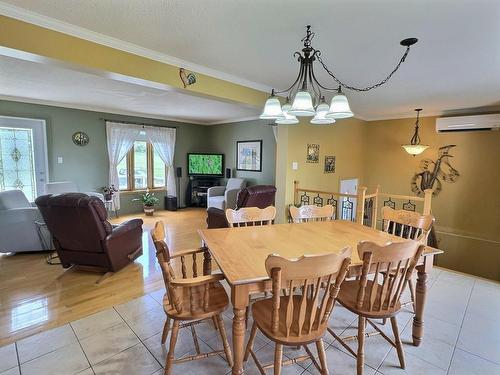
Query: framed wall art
column 312, row 153
column 329, row 164
column 249, row 156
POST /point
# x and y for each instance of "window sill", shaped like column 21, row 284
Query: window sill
column 142, row 191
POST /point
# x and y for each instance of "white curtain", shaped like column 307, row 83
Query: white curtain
column 163, row 141
column 120, row 139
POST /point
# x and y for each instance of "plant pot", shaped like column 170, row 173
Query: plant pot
column 108, row 196
column 149, row 210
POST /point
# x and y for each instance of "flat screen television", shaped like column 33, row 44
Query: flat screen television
column 205, row 164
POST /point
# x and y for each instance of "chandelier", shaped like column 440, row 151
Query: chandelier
column 305, row 96
column 414, row 147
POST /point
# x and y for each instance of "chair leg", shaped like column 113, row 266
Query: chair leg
column 250, row 341
column 360, row 358
column 223, row 336
column 166, row 328
column 214, row 319
column 384, row 321
column 411, row 286
column 171, row 350
column 278, row 359
column 397, row 340
column 322, row 357
column 247, row 312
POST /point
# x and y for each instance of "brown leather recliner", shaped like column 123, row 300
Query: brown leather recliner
column 260, row 196
column 82, row 235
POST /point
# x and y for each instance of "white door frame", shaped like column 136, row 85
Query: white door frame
column 32, row 123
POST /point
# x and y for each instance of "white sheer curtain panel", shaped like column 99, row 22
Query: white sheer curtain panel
column 120, row 139
column 163, row 141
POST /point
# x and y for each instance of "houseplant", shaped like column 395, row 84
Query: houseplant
column 108, row 192
column 148, row 201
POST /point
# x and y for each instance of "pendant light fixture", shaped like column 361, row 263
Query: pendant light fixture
column 306, row 93
column 414, row 147
column 287, row 118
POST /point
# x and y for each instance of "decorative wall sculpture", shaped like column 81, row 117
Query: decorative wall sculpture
column 433, row 172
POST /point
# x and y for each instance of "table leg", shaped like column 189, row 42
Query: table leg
column 421, row 295
column 239, row 297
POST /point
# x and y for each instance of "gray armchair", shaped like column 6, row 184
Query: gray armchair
column 18, row 231
column 223, row 197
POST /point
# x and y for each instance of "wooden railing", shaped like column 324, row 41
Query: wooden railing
column 347, row 208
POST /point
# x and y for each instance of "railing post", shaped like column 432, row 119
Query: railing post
column 427, row 201
column 295, row 191
column 375, row 208
column 360, row 205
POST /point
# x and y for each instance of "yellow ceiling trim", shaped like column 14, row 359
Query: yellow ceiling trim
column 23, row 36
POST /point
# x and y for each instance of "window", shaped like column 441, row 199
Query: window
column 142, row 168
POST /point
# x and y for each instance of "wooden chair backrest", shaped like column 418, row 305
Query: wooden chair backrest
column 311, row 212
column 305, row 278
column 250, row 216
column 406, row 224
column 175, row 293
column 396, row 259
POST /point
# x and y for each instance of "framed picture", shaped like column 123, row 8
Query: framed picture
column 249, row 156
column 312, row 153
column 330, row 164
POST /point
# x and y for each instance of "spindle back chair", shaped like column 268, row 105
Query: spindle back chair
column 303, row 297
column 311, row 212
column 374, row 295
column 250, row 216
column 189, row 299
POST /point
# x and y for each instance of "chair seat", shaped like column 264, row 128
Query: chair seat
column 217, row 303
column 262, row 312
column 348, row 298
column 217, row 202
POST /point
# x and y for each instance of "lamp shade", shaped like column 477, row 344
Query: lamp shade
column 320, row 118
column 414, row 149
column 302, row 105
column 287, row 119
column 339, row 107
column 272, row 109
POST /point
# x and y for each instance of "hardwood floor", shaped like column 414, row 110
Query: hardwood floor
column 32, row 300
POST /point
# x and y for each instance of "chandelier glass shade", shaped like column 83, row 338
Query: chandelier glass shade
column 287, row 118
column 306, row 92
column 414, row 147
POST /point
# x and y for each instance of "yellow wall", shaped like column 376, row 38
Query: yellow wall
column 467, row 212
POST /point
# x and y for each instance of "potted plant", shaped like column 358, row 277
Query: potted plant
column 148, row 201
column 108, row 192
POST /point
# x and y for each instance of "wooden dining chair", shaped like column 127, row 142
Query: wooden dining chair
column 189, row 300
column 303, row 297
column 378, row 298
column 409, row 225
column 311, row 212
column 250, row 216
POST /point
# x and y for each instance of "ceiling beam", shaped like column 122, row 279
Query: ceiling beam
column 53, row 46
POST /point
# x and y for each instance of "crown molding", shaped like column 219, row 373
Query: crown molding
column 83, row 33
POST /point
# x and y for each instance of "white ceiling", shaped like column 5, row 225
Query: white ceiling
column 35, row 82
column 455, row 65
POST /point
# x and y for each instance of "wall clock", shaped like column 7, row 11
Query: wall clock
column 80, row 139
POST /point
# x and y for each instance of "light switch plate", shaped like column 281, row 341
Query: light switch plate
column 295, row 165
column 60, row 160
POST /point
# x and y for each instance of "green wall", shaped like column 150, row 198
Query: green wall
column 88, row 166
column 223, row 139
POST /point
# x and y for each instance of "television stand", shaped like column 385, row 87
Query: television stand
column 197, row 190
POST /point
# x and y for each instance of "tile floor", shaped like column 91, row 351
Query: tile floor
column 462, row 336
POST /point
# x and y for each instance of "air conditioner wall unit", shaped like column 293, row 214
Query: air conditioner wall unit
column 468, row 123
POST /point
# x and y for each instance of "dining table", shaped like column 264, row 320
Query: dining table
column 240, row 254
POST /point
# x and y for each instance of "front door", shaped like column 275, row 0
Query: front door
column 23, row 155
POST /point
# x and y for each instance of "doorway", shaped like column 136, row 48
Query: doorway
column 347, row 207
column 23, row 155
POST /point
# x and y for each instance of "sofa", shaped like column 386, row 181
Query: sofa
column 223, row 197
column 18, row 231
column 68, row 187
column 260, row 196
